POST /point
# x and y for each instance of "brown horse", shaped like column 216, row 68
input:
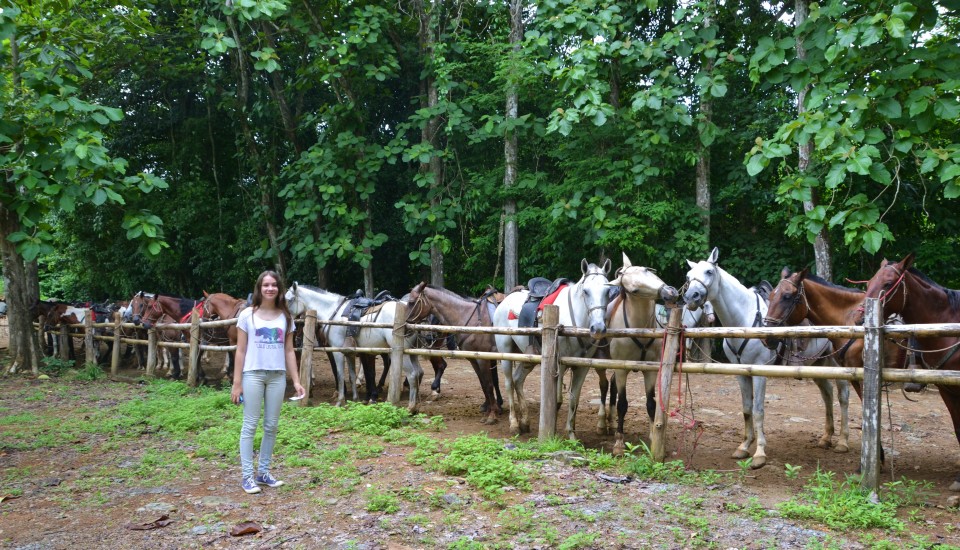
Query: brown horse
column 224, row 306
column 148, row 310
column 456, row 311
column 904, row 290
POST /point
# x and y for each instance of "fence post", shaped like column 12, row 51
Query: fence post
column 658, row 430
column 115, row 356
column 193, row 373
column 396, row 354
column 872, row 366
column 549, row 367
column 306, row 354
column 88, row 341
column 151, row 351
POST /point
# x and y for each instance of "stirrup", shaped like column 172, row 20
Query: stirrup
column 914, row 387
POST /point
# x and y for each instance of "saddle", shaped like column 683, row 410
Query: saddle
column 540, row 289
column 359, row 305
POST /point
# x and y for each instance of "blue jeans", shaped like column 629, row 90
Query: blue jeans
column 261, row 388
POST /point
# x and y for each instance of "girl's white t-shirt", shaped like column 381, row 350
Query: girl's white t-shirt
column 265, row 340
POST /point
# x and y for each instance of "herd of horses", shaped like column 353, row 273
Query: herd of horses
column 633, row 299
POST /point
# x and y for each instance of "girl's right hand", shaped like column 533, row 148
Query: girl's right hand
column 235, row 394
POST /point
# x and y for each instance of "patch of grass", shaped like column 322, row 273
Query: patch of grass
column 517, row 519
column 486, row 464
column 55, row 366
column 840, row 505
column 382, row 501
column 466, row 543
column 640, row 462
column 90, row 372
column 579, row 540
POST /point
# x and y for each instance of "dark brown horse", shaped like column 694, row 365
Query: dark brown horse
column 904, row 290
column 149, row 309
column 224, row 306
column 456, row 311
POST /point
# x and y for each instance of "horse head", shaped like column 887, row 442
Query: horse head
column 702, row 280
column 294, row 303
column 782, row 308
column 592, row 290
column 888, row 285
column 145, row 310
column 420, row 307
column 643, row 282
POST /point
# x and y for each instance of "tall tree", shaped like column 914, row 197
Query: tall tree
column 510, row 154
column 55, row 152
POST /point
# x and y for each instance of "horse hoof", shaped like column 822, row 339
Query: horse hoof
column 758, row 462
column 841, row 449
column 433, row 396
column 617, row 450
column 740, row 454
column 823, row 443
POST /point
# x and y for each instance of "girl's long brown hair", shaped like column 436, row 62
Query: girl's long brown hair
column 281, row 295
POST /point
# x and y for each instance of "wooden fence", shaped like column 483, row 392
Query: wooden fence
column 872, row 375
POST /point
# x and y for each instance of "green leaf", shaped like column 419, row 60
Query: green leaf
column 890, row 108
column 99, row 197
column 895, row 26
column 949, row 171
column 81, row 150
column 756, row 164
column 872, row 241
column 154, row 248
column 947, row 108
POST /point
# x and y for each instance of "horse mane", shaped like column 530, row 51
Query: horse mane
column 316, row 289
column 953, row 296
column 821, row 281
column 447, row 292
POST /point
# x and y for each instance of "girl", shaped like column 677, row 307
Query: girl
column 264, row 352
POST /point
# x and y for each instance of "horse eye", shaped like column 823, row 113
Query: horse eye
column 710, row 272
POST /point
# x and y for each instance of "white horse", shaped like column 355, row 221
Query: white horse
column 581, row 305
column 736, row 305
column 635, row 307
column 330, row 306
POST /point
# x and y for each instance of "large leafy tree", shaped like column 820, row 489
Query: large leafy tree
column 54, row 141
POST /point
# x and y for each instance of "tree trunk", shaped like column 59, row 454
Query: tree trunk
column 23, row 348
column 821, row 247
column 428, row 134
column 368, row 285
column 510, row 155
column 703, row 156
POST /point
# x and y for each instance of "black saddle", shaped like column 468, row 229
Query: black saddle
column 358, row 304
column 539, row 288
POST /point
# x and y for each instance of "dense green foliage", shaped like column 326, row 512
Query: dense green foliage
column 272, row 132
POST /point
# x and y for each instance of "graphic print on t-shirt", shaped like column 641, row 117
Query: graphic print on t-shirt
column 268, row 337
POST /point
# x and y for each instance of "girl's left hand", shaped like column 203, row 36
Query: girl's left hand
column 299, row 389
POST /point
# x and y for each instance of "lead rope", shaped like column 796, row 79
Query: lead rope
column 688, row 422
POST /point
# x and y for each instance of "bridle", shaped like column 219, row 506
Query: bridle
column 885, row 295
column 800, row 294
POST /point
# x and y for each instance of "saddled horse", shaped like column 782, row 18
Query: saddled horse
column 735, row 305
column 455, row 310
column 906, row 291
column 148, row 310
column 224, row 306
column 635, row 307
column 581, row 305
column 330, row 306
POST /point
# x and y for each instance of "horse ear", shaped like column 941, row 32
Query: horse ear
column 584, row 264
column 205, row 295
column 615, row 282
column 691, row 264
column 606, row 266
column 907, row 262
column 785, row 272
column 714, row 256
column 626, row 260
column 804, row 272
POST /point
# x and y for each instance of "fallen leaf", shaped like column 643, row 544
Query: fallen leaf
column 245, row 528
column 8, row 497
column 163, row 521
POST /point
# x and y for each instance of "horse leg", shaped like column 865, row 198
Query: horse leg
column 602, row 423
column 484, row 374
column 620, row 381
column 386, row 369
column 951, row 398
column 439, row 366
column 351, row 362
column 175, row 359
column 336, row 375
column 759, row 394
column 746, row 403
column 414, row 375
column 843, row 396
column 649, row 385
column 512, row 405
column 368, row 364
column 341, row 391
column 495, row 381
column 826, row 393
column 577, row 376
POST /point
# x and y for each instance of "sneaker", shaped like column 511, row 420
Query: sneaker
column 250, row 486
column 267, row 479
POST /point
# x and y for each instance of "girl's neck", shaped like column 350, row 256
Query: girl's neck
column 268, row 306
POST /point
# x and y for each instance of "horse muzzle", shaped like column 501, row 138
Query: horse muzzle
column 669, row 294
column 598, row 331
column 694, row 298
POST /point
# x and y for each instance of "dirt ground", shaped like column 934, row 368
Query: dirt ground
column 917, row 437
